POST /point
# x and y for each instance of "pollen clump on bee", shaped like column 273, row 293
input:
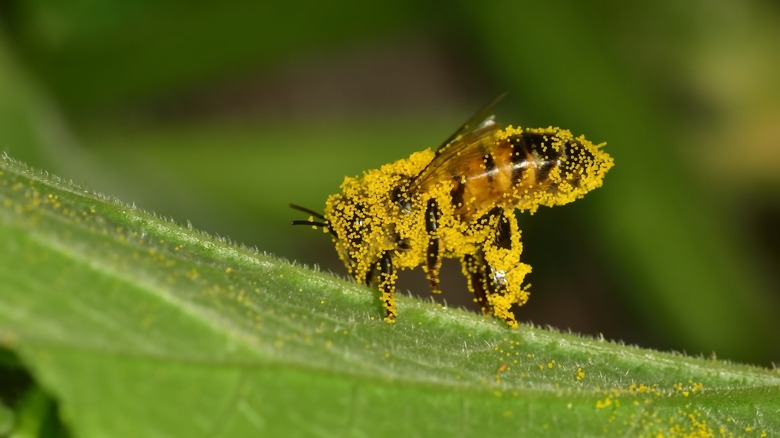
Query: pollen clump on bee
column 579, row 166
column 458, row 202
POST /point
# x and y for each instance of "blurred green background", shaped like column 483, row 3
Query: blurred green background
column 220, row 115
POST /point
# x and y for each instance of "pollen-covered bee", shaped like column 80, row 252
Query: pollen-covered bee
column 459, row 202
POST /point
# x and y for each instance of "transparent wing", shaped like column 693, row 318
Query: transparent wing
column 463, row 144
column 481, row 119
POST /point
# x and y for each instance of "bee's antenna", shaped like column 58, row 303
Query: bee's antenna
column 312, row 223
column 306, row 210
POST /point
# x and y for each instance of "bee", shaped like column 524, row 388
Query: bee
column 459, row 202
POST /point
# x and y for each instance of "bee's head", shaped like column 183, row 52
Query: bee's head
column 349, row 220
column 357, row 225
column 364, row 217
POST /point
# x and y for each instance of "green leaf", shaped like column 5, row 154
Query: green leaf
column 141, row 327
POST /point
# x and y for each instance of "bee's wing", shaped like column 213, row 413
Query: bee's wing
column 482, row 119
column 480, row 127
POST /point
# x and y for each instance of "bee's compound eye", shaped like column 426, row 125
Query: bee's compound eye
column 401, row 199
column 356, row 231
column 356, row 224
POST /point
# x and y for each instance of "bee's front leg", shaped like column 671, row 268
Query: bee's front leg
column 386, row 284
column 382, row 275
column 433, row 266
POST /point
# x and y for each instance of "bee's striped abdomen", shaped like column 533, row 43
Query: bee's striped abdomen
column 522, row 170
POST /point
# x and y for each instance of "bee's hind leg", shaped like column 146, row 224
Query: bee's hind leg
column 433, row 258
column 495, row 282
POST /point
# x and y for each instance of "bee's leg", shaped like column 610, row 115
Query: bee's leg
column 473, row 269
column 490, row 277
column 503, row 237
column 478, row 271
column 432, row 214
column 383, row 276
column 504, row 272
column 387, row 277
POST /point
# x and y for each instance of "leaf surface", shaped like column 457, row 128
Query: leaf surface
column 141, row 327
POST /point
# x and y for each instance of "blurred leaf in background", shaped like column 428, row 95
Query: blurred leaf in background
column 222, row 114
